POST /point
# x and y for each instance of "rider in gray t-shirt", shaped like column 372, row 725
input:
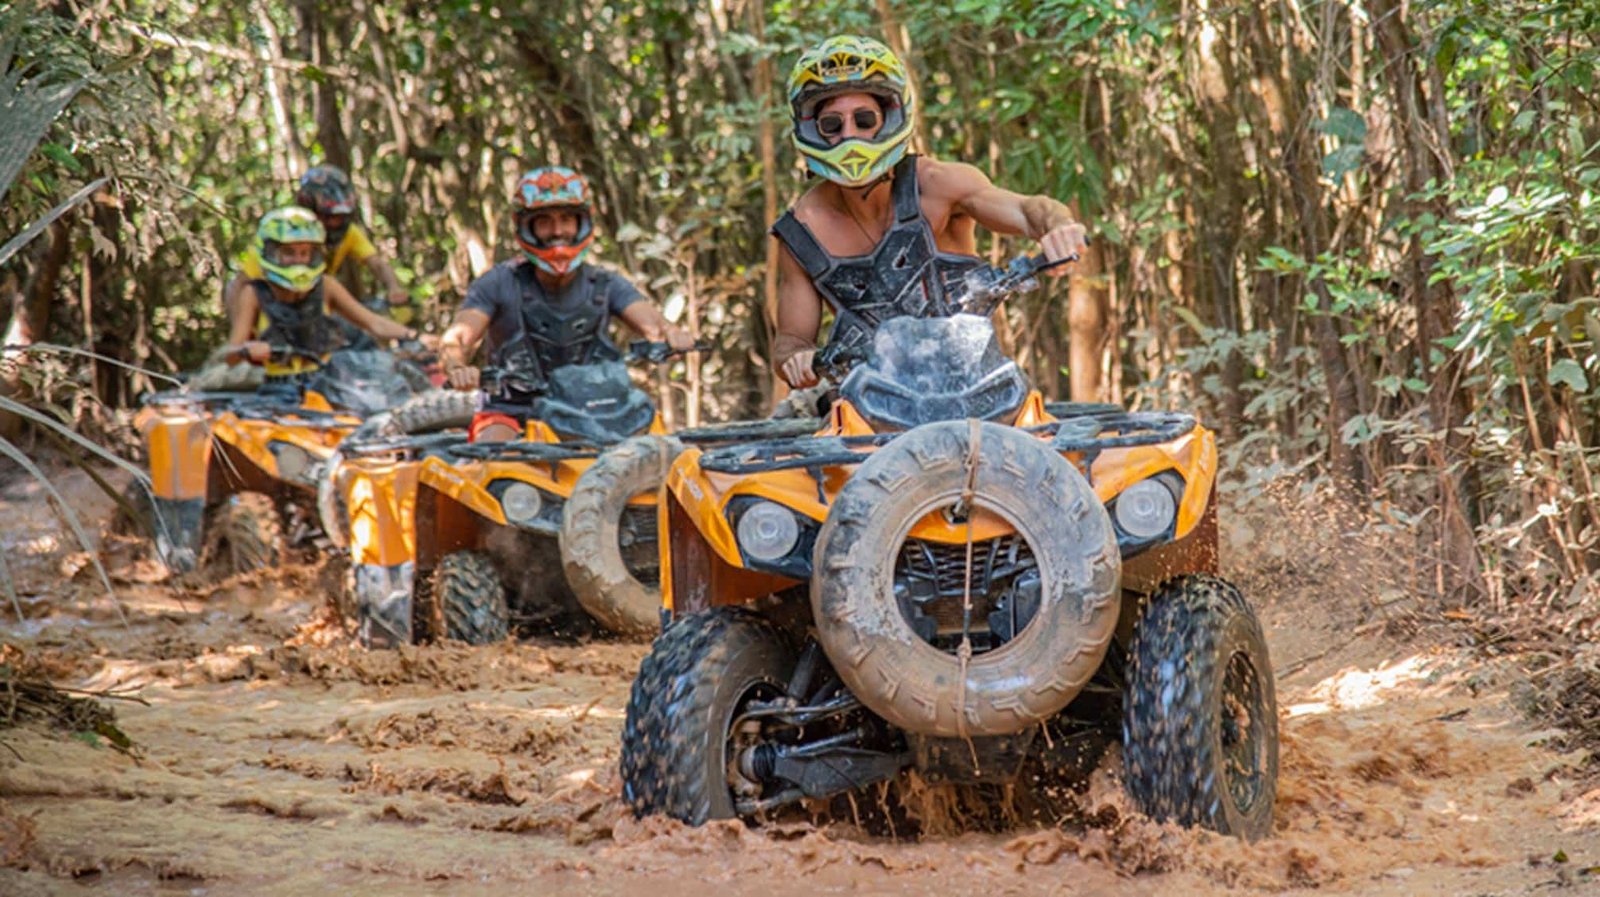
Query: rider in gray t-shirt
column 548, row 302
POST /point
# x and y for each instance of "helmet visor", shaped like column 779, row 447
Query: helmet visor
column 806, row 114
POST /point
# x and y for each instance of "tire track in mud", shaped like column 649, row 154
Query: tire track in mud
column 275, row 757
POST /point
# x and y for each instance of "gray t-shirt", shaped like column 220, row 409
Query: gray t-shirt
column 499, row 294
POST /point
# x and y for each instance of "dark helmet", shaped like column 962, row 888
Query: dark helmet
column 327, row 191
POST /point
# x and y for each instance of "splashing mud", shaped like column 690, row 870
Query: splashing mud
column 274, row 756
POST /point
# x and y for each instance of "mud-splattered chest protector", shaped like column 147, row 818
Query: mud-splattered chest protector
column 569, row 328
column 304, row 325
column 905, row 275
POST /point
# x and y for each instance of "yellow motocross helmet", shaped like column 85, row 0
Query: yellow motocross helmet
column 850, row 64
column 280, row 227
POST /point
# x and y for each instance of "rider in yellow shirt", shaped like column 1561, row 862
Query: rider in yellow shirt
column 328, row 193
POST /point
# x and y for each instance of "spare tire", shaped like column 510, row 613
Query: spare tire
column 591, row 527
column 878, row 654
column 439, row 409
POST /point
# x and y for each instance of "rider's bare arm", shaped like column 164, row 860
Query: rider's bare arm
column 385, row 275
column 969, row 192
column 799, row 319
column 345, row 305
column 460, row 340
column 650, row 323
column 242, row 326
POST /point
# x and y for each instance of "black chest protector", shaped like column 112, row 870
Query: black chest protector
column 904, row 275
column 575, row 331
column 304, row 325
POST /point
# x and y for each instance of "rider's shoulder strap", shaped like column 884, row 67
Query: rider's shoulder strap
column 905, row 195
column 802, row 244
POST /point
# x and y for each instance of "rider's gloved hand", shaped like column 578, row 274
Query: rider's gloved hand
column 678, row 338
column 1064, row 241
column 463, row 377
column 797, row 371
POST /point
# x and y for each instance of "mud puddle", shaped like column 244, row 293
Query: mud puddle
column 274, row 758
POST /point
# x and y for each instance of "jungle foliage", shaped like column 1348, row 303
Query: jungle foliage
column 1360, row 236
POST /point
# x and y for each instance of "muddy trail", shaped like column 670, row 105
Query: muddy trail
column 272, row 757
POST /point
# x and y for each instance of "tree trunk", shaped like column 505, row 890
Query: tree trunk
column 1425, row 151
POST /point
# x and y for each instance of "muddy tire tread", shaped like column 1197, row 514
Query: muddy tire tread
column 664, row 768
column 590, row 523
column 877, row 654
column 1170, row 759
column 244, row 534
column 437, row 409
column 465, row 600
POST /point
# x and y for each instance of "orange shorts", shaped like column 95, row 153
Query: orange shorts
column 485, row 419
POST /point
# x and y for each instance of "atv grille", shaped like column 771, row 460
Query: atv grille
column 636, row 537
column 930, row 581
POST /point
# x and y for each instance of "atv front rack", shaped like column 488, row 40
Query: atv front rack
column 274, row 405
column 533, row 452
column 406, row 444
column 1088, row 430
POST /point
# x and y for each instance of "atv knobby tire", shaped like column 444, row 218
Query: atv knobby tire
column 590, row 525
column 675, row 735
column 439, row 409
column 876, row 652
column 1200, row 716
column 244, row 533
column 466, row 601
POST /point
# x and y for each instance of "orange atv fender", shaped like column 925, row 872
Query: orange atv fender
column 1193, row 456
column 253, row 438
column 179, row 444
column 465, row 488
column 381, row 500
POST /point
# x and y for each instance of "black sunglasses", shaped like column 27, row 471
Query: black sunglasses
column 831, row 124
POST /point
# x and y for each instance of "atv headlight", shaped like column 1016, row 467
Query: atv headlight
column 294, row 462
column 767, row 531
column 522, row 503
column 1146, row 510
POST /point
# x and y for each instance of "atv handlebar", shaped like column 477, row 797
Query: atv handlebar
column 277, row 353
column 653, row 351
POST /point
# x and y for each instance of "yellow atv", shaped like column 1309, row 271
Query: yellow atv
column 955, row 577
column 222, row 462
column 549, row 532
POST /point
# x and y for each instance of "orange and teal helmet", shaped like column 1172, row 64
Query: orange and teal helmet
column 850, row 64
column 284, row 227
column 326, row 190
column 553, row 187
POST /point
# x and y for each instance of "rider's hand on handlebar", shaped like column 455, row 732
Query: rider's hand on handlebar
column 798, row 372
column 256, row 351
column 1061, row 242
column 678, row 338
column 465, row 378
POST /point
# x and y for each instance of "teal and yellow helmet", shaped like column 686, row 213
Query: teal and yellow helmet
column 284, row 227
column 850, row 64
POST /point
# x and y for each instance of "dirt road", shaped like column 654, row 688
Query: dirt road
column 272, row 758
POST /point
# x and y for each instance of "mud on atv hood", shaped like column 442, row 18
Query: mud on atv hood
column 932, row 369
column 594, row 403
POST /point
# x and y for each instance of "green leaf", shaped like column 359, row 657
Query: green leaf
column 62, row 156
column 1345, row 124
column 1342, row 161
column 1567, row 371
